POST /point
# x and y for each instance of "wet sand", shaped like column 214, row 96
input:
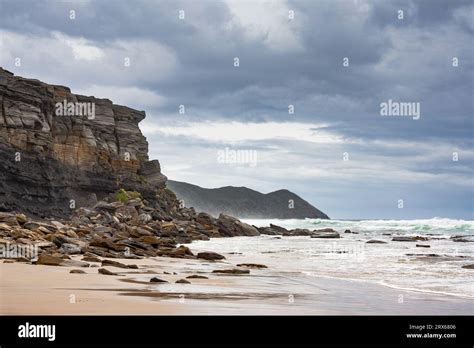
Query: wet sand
column 38, row 289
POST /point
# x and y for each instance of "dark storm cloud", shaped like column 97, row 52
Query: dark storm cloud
column 286, row 62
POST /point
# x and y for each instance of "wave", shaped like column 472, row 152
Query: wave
column 435, row 224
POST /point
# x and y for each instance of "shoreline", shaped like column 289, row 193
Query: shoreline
column 46, row 290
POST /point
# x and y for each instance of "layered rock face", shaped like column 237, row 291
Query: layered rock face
column 59, row 151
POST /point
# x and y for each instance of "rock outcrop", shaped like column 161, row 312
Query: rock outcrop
column 59, row 150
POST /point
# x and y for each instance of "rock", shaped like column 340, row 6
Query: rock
column 109, row 207
column 325, row 234
column 251, row 265
column 117, row 264
column 375, row 241
column 300, row 232
column 77, row 271
column 74, row 263
column 232, row 271
column 229, row 226
column 471, row 266
column 45, row 259
column 144, row 218
column 21, row 218
column 106, row 271
column 206, row 220
column 210, row 255
column 408, row 238
column 181, row 251
column 195, row 276
column 152, row 240
column 274, row 230
column 5, row 227
column 422, row 246
column 157, row 280
column 106, row 243
column 183, row 281
column 347, row 231
column 127, row 213
column 151, row 170
column 462, row 240
column 325, row 230
column 91, row 259
column 8, row 218
column 70, row 249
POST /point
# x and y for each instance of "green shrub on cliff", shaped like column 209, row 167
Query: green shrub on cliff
column 122, row 196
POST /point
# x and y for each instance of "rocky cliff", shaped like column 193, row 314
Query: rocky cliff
column 59, row 150
column 78, row 166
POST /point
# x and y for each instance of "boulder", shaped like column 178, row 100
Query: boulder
column 232, row 271
column 375, row 241
column 325, row 234
column 74, row 263
column 210, row 255
column 45, row 259
column 157, row 280
column 106, row 271
column 117, row 264
column 70, row 249
column 409, row 238
column 183, row 281
column 91, row 259
column 195, row 276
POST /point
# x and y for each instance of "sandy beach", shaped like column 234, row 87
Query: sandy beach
column 50, row 290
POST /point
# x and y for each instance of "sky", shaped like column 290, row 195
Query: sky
column 304, row 99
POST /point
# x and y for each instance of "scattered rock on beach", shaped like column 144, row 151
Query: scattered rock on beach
column 232, row 271
column 422, row 246
column 375, row 241
column 117, row 264
column 106, row 271
column 77, row 271
column 74, row 263
column 157, row 280
column 409, row 238
column 183, row 281
column 195, row 276
column 325, row 233
column 471, row 266
column 210, row 255
column 49, row 260
column 251, row 265
column 91, row 259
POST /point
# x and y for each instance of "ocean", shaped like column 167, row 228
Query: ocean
column 402, row 265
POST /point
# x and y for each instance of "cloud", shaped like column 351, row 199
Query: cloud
column 238, row 132
column 61, row 59
column 282, row 62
